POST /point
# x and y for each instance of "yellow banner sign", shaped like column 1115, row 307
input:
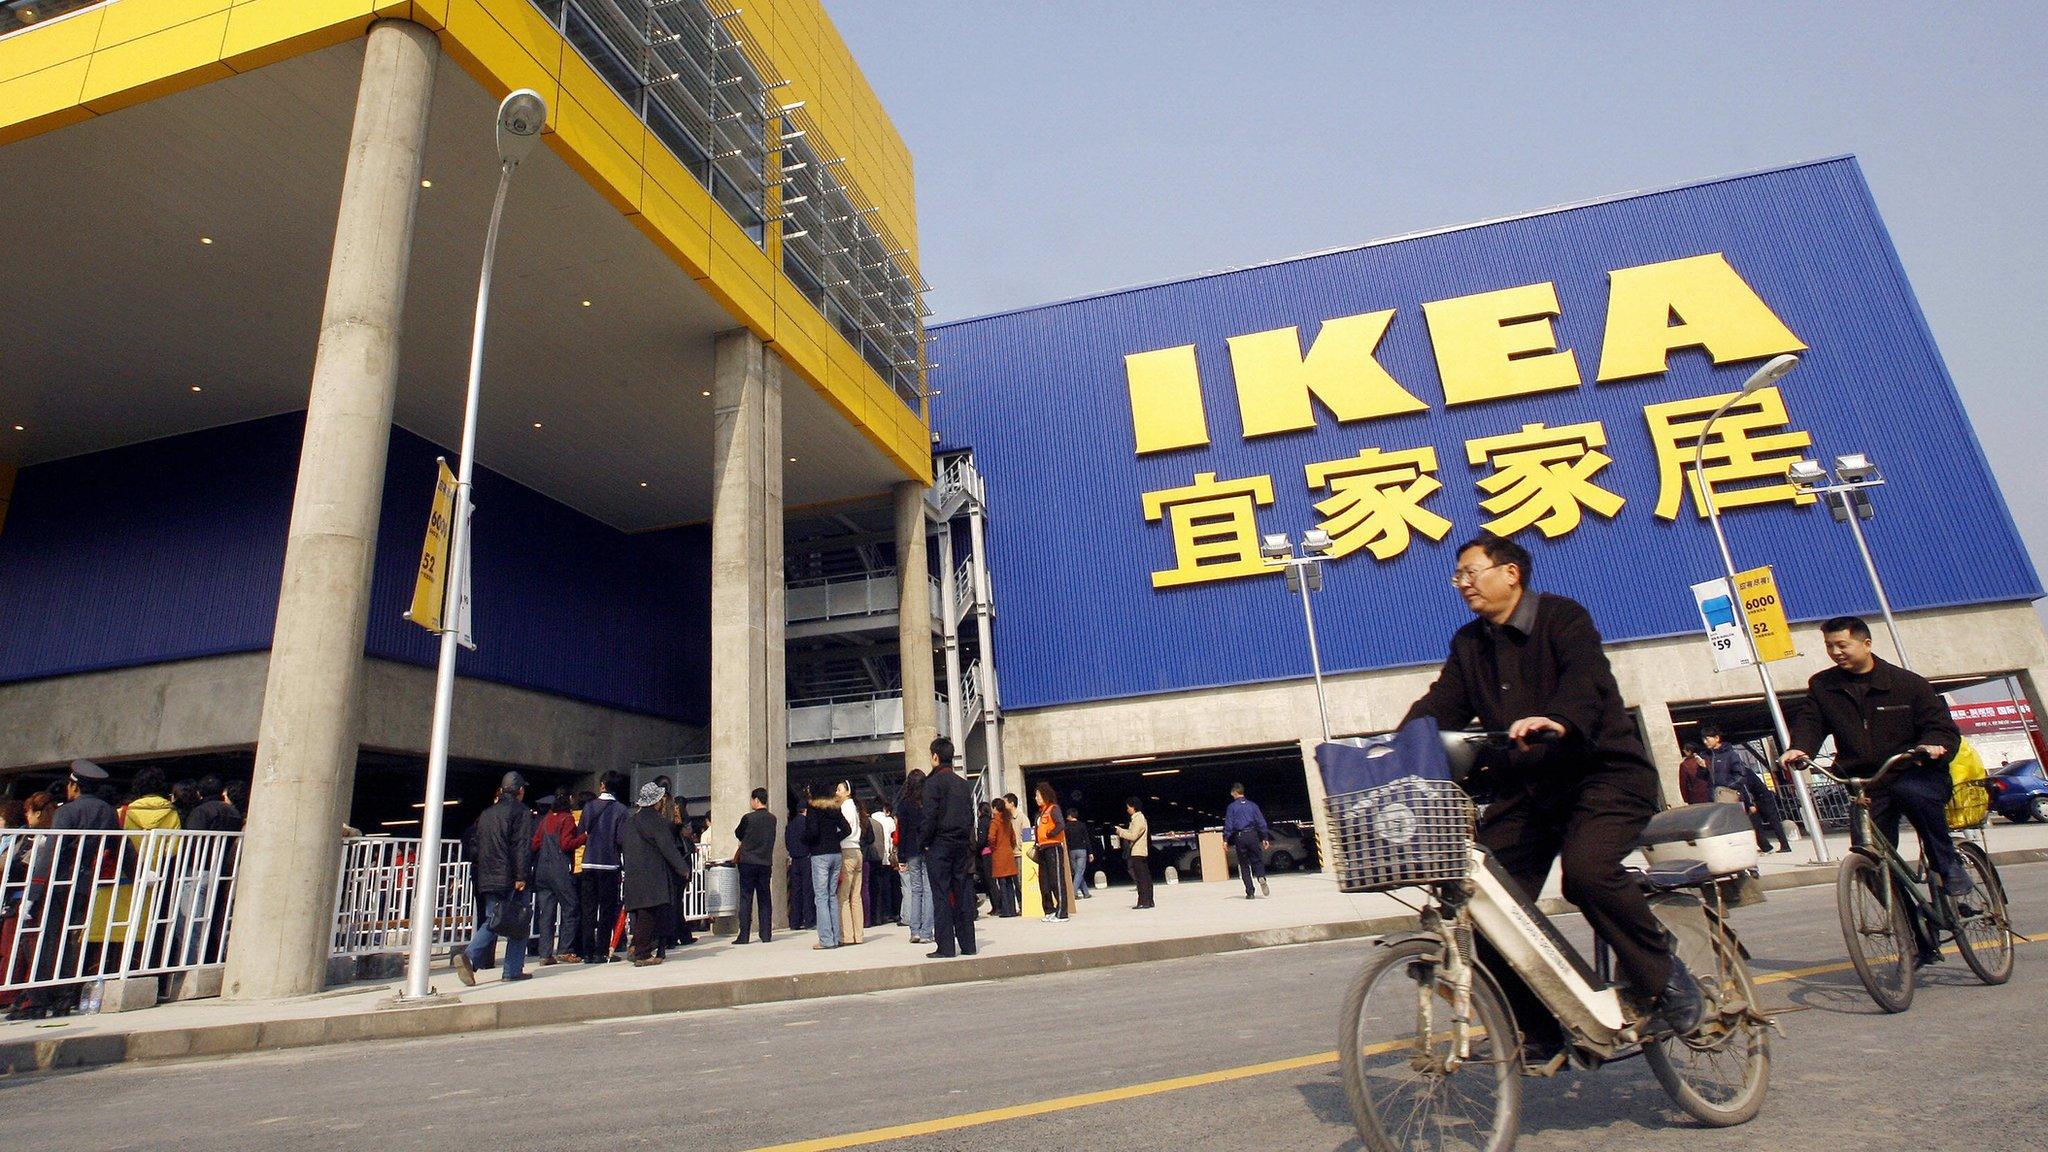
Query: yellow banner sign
column 430, row 590
column 1768, row 630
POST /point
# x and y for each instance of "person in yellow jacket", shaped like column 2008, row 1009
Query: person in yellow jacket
column 152, row 807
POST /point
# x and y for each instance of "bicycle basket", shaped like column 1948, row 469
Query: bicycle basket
column 1412, row 831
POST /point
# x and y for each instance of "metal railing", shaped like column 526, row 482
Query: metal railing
column 963, row 588
column 373, row 896
column 838, row 597
column 865, row 716
column 84, row 906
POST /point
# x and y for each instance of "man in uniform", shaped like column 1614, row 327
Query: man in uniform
column 1531, row 665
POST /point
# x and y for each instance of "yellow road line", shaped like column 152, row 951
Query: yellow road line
column 1152, row 1088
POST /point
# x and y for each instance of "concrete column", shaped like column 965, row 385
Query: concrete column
column 949, row 634
column 1662, row 741
column 748, row 733
column 1317, row 810
column 776, row 618
column 914, row 627
column 306, row 743
column 1002, row 772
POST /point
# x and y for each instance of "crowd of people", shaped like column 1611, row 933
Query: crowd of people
column 48, row 881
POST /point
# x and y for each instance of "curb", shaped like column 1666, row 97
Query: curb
column 58, row 1053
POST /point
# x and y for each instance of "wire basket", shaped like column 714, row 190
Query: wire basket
column 1412, row 831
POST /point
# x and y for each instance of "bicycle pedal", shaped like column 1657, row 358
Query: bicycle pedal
column 1548, row 1068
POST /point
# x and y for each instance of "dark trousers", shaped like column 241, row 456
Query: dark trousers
column 646, row 927
column 1003, row 897
column 755, row 897
column 1052, row 879
column 887, row 885
column 1922, row 798
column 597, row 910
column 1251, row 866
column 555, row 923
column 952, row 872
column 803, row 910
column 1769, row 822
column 1591, row 824
column 1141, row 875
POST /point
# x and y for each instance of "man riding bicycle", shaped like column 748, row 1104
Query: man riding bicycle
column 1875, row 710
column 1532, row 665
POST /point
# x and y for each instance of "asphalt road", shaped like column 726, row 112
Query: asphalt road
column 1962, row 1069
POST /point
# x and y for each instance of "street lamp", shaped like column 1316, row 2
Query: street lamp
column 1848, row 500
column 1763, row 377
column 1304, row 575
column 520, row 120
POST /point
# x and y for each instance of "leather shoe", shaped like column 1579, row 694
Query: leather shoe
column 1679, row 1007
column 464, row 970
column 521, row 976
column 940, row 955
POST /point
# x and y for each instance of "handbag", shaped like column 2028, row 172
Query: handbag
column 513, row 917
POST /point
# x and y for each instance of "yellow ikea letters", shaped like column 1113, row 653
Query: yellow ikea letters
column 1714, row 309
column 1275, row 379
column 1492, row 345
column 1489, row 346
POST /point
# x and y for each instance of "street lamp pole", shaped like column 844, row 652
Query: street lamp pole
column 1846, row 501
column 1763, row 377
column 520, row 120
column 1304, row 575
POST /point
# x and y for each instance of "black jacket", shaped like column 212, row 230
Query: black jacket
column 793, row 837
column 503, row 845
column 756, row 833
column 824, row 828
column 910, row 817
column 1498, row 674
column 949, row 812
column 1873, row 716
column 655, row 872
column 215, row 815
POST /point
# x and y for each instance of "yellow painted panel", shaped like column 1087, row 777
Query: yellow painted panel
column 749, row 302
column 797, row 346
column 525, row 24
column 134, row 19
column 156, row 65
column 614, row 172
column 42, row 100
column 585, row 87
column 675, row 229
column 432, row 13
column 664, row 170
column 263, row 32
column 49, row 46
column 499, row 60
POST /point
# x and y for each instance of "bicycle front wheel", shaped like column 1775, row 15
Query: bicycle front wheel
column 1720, row 1072
column 1877, row 929
column 1984, row 936
column 1408, row 1090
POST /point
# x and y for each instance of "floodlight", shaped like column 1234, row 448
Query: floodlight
column 1856, row 469
column 1806, row 474
column 1276, row 546
column 1315, row 542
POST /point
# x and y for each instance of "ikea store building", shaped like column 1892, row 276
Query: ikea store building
column 723, row 531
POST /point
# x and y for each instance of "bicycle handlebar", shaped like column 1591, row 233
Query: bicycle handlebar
column 1891, row 765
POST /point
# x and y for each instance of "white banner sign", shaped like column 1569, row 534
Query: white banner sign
column 1724, row 626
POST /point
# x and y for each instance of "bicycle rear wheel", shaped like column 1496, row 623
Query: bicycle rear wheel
column 1877, row 929
column 1720, row 1072
column 1394, row 1045
column 1985, row 938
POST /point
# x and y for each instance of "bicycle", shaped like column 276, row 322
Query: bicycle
column 1888, row 909
column 1429, row 1048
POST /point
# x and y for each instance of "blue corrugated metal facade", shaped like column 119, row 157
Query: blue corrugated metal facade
column 1041, row 397
column 173, row 549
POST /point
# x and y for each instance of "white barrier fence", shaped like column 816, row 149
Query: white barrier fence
column 85, row 906
column 373, row 898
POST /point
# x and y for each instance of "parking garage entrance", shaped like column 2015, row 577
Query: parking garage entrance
column 1185, row 794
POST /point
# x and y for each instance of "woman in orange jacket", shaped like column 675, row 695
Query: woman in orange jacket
column 1055, row 884
column 1002, row 859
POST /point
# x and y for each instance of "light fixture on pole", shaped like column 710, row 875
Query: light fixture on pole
column 1847, row 500
column 1304, row 575
column 521, row 117
column 1763, row 377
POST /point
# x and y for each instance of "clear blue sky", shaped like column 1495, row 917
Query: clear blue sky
column 1066, row 148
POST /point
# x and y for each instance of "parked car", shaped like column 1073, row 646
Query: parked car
column 2019, row 791
column 1292, row 847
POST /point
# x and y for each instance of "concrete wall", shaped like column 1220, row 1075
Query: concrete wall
column 215, row 703
column 1653, row 675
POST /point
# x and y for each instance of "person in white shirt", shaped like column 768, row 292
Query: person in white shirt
column 884, row 882
column 850, row 914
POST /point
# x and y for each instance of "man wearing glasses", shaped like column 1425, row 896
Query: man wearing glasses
column 1531, row 665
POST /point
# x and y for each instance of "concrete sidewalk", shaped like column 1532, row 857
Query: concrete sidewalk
column 1192, row 919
